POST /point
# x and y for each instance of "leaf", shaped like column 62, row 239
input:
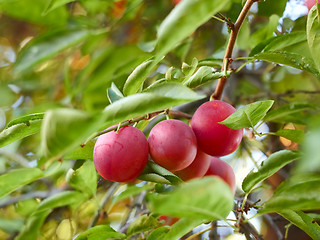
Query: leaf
column 313, row 35
column 26, row 119
column 182, row 227
column 114, row 94
column 131, row 191
column 249, row 115
column 287, row 109
column 291, row 134
column 32, row 226
column 300, row 196
column 142, row 224
column 303, row 221
column 183, row 20
column 158, row 233
column 290, row 59
column 268, row 167
column 17, row 178
column 280, row 42
column 55, row 4
column 100, row 232
column 19, row 131
column 66, row 198
column 84, row 178
column 203, row 75
column 63, row 130
column 83, row 152
column 137, row 77
column 11, row 225
column 211, row 199
column 46, row 46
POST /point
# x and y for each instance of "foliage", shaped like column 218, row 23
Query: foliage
column 70, row 69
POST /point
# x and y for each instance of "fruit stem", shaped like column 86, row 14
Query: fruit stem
column 232, row 40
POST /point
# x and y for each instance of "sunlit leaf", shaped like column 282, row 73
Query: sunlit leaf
column 17, row 178
column 313, row 34
column 142, row 224
column 249, row 115
column 211, row 199
column 82, row 152
column 268, row 167
column 158, row 233
column 55, row 4
column 100, row 232
column 26, row 119
column 291, row 134
column 183, row 20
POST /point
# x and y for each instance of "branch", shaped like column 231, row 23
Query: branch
column 232, row 40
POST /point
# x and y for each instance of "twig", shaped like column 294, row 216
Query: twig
column 104, row 201
column 232, row 40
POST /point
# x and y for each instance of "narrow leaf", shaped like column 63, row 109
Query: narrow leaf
column 291, row 134
column 302, row 221
column 183, row 20
column 17, row 178
column 211, row 199
column 137, row 77
column 313, row 35
column 26, row 119
column 114, row 94
column 100, row 232
column 55, row 4
column 271, row 165
column 282, row 111
column 249, row 115
column 142, row 224
column 47, row 46
column 158, row 233
column 19, row 131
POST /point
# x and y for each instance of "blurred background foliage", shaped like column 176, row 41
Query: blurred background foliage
column 59, row 53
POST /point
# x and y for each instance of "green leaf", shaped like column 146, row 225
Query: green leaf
column 55, row 4
column 11, row 225
column 17, row 178
column 287, row 109
column 300, row 196
column 19, row 131
column 302, row 221
column 291, row 134
column 32, row 226
column 66, row 198
column 26, row 119
column 158, row 233
column 83, row 152
column 131, row 191
column 203, row 75
column 183, row 20
column 142, row 224
column 268, row 167
column 211, row 199
column 313, row 35
column 137, row 77
column 249, row 115
column 182, row 227
column 114, row 94
column 153, row 177
column 290, row 59
column 46, row 46
column 84, row 178
column 100, row 232
column 63, row 130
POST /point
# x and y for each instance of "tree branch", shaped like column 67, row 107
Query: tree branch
column 232, row 40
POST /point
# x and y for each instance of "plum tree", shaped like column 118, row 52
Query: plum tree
column 172, row 144
column 214, row 138
column 223, row 170
column 197, row 168
column 121, row 156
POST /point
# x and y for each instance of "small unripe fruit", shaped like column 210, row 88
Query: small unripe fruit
column 172, row 144
column 197, row 168
column 213, row 138
column 121, row 157
column 223, row 170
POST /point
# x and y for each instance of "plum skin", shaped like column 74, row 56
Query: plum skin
column 223, row 170
column 213, row 138
column 122, row 156
column 172, row 144
column 197, row 168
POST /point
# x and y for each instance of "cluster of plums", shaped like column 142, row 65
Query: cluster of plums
column 189, row 152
